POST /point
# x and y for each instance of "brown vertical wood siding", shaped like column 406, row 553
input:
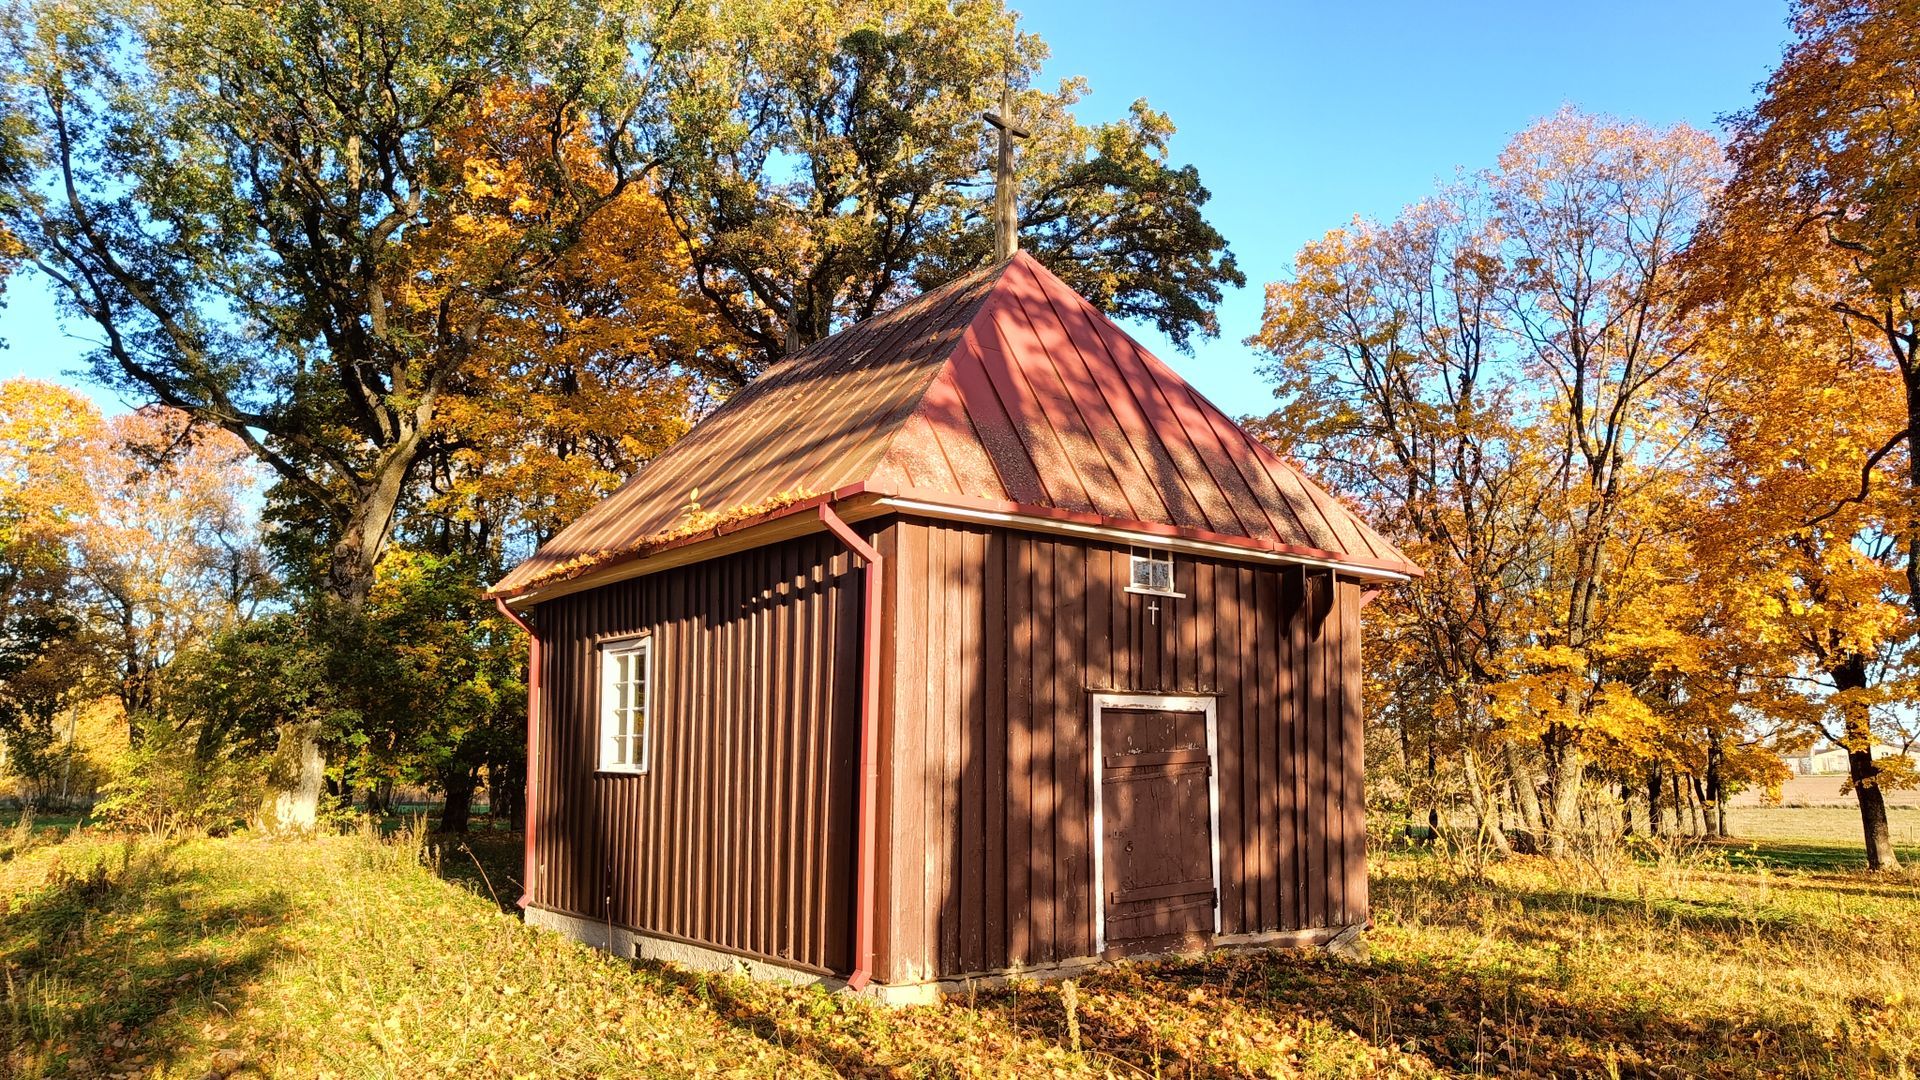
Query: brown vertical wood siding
column 740, row 834
column 998, row 639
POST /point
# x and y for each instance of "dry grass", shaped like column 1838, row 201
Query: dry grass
column 1735, row 961
column 1836, row 827
column 350, row 956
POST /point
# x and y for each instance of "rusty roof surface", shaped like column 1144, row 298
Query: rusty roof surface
column 1004, row 386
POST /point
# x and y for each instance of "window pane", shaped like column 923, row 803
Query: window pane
column 1153, row 571
column 623, row 694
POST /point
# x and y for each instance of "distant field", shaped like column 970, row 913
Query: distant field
column 1819, row 791
column 1819, row 824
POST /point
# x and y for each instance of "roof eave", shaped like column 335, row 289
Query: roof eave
column 947, row 505
column 794, row 519
column 860, row 501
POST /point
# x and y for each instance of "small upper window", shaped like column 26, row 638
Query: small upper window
column 1152, row 572
column 626, row 695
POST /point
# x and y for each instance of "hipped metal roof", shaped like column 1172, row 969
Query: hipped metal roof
column 1003, row 390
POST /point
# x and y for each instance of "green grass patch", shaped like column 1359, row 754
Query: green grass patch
column 356, row 956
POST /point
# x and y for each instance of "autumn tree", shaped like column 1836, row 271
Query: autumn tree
column 1825, row 201
column 1812, row 259
column 581, row 375
column 48, row 435
column 1721, row 697
column 235, row 198
column 1382, row 349
column 167, row 554
column 1489, row 370
column 827, row 159
column 1807, row 554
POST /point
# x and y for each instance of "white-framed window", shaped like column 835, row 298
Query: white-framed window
column 626, row 703
column 1152, row 572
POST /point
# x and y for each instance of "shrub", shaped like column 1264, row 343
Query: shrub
column 171, row 783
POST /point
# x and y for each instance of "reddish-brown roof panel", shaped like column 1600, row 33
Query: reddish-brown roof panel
column 1139, row 492
column 817, row 421
column 1048, row 348
column 1002, row 349
column 1003, row 387
column 994, row 428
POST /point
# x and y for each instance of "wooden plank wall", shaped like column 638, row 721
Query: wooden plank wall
column 740, row 835
column 998, row 639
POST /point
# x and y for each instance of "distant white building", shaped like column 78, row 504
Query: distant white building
column 1832, row 760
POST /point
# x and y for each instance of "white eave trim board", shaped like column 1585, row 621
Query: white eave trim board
column 1131, row 537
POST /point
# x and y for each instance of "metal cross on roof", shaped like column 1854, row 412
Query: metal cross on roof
column 1006, row 216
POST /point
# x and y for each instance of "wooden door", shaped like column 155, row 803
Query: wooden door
column 1158, row 883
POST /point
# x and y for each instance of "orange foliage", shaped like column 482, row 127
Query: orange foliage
column 596, row 362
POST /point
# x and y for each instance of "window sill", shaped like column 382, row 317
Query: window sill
column 1137, row 590
column 620, row 771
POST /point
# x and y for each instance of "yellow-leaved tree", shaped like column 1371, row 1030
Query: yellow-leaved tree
column 1490, row 371
column 48, row 437
column 1799, row 529
column 584, row 371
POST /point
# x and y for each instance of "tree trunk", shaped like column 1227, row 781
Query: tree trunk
column 303, row 771
column 1433, row 789
column 1873, row 810
column 1526, row 796
column 1569, row 772
column 1486, row 818
column 1911, row 378
column 1716, row 786
column 1703, row 807
column 1653, row 799
column 1405, row 741
column 1865, row 775
column 1626, row 808
column 350, row 574
column 458, row 783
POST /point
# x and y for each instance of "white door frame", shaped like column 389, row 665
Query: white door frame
column 1163, row 703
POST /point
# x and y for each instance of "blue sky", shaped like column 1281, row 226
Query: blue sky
column 1301, row 115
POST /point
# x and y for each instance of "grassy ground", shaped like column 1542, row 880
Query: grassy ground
column 1833, row 827
column 347, row 957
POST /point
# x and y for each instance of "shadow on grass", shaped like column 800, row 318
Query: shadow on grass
column 105, row 965
column 1809, row 855
column 487, row 862
column 780, row 1016
column 1694, row 917
column 1472, row 1021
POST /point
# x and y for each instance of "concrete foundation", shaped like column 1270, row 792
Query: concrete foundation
column 644, row 946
